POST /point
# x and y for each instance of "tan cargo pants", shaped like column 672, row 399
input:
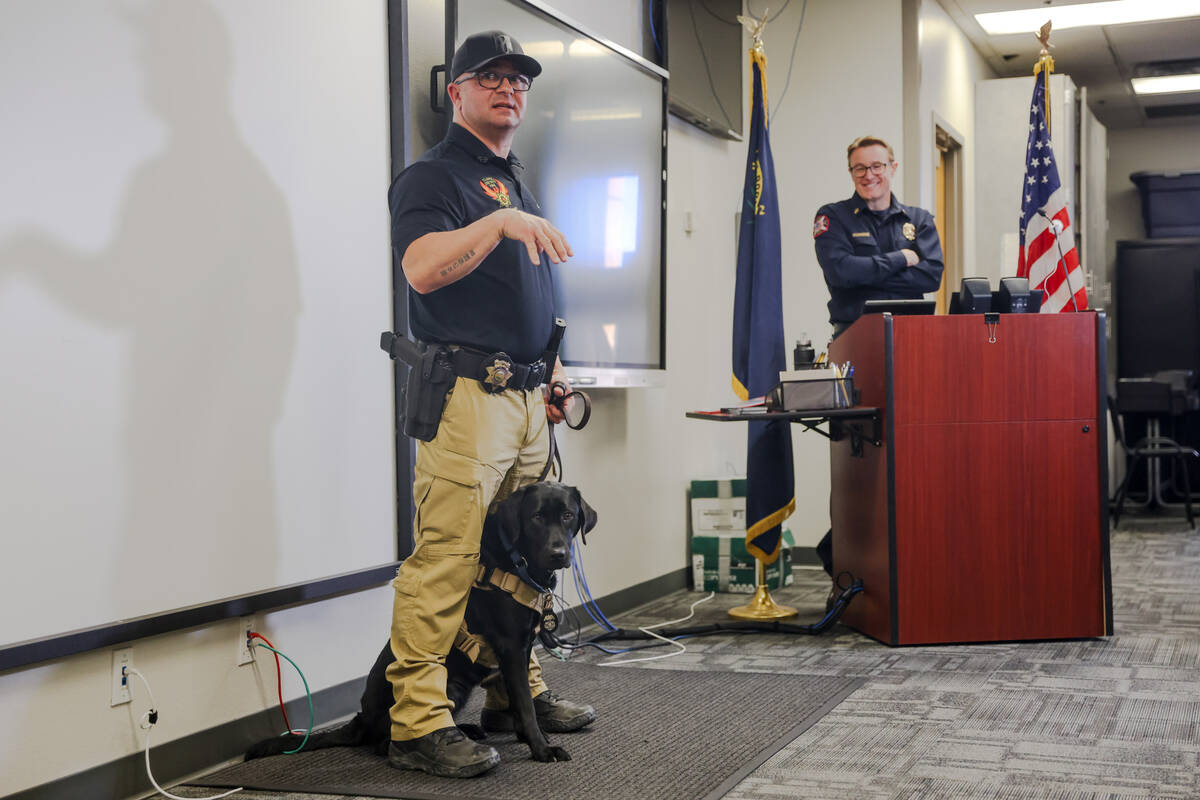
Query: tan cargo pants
column 487, row 446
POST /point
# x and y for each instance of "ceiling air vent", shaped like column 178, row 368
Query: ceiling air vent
column 1180, row 110
column 1155, row 69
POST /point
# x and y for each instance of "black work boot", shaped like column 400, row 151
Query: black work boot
column 554, row 715
column 447, row 753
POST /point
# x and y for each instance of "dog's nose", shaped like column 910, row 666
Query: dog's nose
column 559, row 554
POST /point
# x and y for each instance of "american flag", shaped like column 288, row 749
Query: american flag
column 1052, row 266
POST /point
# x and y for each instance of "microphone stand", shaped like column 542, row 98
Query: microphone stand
column 1055, row 226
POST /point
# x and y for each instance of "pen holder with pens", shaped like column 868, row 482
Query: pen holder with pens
column 813, row 393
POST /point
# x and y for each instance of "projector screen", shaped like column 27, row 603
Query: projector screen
column 194, row 271
column 593, row 144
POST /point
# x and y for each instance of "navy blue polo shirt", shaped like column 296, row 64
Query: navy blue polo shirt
column 507, row 302
column 859, row 252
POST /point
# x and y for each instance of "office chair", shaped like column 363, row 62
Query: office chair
column 1149, row 448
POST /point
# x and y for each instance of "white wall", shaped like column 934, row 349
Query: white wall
column 950, row 68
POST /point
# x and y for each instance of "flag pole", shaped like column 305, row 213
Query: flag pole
column 762, row 606
column 1045, row 62
column 1045, row 65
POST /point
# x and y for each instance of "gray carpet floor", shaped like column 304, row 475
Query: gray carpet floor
column 675, row 734
column 1102, row 719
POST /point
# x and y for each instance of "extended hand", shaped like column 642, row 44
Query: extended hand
column 538, row 235
column 911, row 259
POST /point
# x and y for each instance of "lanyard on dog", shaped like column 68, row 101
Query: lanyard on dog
column 520, row 565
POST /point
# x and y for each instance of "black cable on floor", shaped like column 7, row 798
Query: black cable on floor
column 853, row 587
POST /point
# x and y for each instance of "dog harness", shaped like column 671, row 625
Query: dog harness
column 492, row 579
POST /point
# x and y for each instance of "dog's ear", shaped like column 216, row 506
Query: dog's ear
column 585, row 513
column 508, row 512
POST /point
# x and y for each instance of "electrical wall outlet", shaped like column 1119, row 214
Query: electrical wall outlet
column 121, row 660
column 245, row 653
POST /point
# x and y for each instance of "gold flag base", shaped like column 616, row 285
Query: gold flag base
column 762, row 606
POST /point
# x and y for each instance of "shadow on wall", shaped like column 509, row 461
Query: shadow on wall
column 202, row 276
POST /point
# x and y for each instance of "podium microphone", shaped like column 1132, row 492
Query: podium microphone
column 1057, row 227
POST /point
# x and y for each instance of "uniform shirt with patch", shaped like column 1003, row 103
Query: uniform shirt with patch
column 507, row 302
column 859, row 252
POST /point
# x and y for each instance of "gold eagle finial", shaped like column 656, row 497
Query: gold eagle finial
column 755, row 27
column 1043, row 36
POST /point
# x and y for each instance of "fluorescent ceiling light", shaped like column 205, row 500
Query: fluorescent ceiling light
column 1113, row 12
column 1164, row 84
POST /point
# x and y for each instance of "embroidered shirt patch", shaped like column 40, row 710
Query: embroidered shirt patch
column 497, row 191
column 820, row 225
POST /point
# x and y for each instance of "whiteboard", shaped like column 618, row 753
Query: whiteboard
column 194, row 271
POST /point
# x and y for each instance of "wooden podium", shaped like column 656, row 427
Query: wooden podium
column 983, row 516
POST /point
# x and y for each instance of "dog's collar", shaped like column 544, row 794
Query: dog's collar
column 524, row 592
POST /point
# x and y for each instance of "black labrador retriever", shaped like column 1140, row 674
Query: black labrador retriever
column 524, row 541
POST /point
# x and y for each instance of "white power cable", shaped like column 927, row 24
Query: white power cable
column 146, row 723
column 647, row 630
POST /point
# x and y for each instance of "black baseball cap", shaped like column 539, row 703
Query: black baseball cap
column 480, row 49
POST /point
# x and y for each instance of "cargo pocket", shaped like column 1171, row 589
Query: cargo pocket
column 407, row 582
column 449, row 517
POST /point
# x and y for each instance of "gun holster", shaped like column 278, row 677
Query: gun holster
column 430, row 376
column 429, row 381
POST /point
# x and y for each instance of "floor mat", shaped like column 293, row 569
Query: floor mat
column 660, row 733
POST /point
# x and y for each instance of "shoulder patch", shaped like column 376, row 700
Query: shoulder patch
column 820, row 225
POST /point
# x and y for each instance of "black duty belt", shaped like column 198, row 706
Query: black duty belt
column 497, row 371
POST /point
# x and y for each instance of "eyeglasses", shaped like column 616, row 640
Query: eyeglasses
column 859, row 170
column 494, row 80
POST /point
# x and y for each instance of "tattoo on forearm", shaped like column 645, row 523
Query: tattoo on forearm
column 467, row 256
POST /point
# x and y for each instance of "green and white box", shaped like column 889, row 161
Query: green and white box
column 720, row 561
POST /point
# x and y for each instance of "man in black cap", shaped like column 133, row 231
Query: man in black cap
column 477, row 258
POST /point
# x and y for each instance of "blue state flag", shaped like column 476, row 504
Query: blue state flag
column 758, row 350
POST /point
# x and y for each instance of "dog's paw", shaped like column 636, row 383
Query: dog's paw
column 473, row 732
column 551, row 753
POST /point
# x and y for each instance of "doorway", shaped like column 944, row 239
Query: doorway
column 948, row 199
